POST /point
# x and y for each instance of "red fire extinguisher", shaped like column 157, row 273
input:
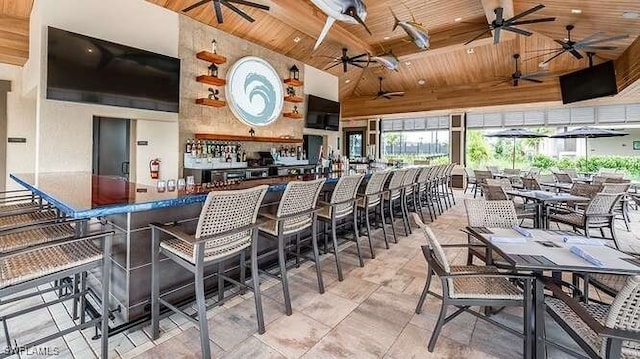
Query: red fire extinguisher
column 154, row 168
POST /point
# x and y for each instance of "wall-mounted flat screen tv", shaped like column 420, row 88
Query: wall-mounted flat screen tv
column 322, row 113
column 592, row 82
column 89, row 70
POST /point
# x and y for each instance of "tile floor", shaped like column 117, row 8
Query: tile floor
column 368, row 315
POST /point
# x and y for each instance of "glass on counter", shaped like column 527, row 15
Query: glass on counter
column 171, row 185
column 161, row 186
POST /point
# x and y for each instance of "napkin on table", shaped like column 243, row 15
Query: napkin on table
column 580, row 252
column 496, row 239
column 582, row 240
column 522, row 231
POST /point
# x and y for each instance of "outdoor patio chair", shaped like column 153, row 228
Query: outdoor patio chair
column 471, row 179
column 572, row 172
column 621, row 209
column 497, row 193
column 482, row 213
column 562, row 177
column 493, row 169
column 481, row 177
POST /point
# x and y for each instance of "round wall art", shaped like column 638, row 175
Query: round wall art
column 254, row 91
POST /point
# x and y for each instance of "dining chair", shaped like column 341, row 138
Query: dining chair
column 621, row 208
column 481, row 177
column 471, row 179
column 392, row 196
column 372, row 198
column 531, row 184
column 572, row 172
column 493, row 169
column 467, row 286
column 482, row 213
column 562, row 177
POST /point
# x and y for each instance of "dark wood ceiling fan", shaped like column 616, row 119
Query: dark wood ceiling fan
column 385, row 94
column 518, row 76
column 217, row 7
column 500, row 23
column 589, row 44
column 362, row 61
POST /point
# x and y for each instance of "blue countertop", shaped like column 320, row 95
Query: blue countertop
column 83, row 195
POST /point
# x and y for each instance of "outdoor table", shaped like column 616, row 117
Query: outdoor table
column 564, row 187
column 546, row 251
column 543, row 199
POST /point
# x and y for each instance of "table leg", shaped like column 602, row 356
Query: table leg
column 539, row 218
column 540, row 350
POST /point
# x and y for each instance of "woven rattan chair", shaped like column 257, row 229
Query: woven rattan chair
column 342, row 205
column 226, row 228
column 572, row 172
column 609, row 174
column 392, row 196
column 481, row 213
column 471, row 179
column 502, row 182
column 493, row 169
column 372, row 199
column 621, row 209
column 531, row 184
column 533, row 172
column 466, row 286
column 296, row 213
column 481, row 177
column 562, row 177
column 408, row 195
column 601, row 330
column 447, row 184
column 424, row 193
column 29, row 269
column 597, row 215
column 512, row 172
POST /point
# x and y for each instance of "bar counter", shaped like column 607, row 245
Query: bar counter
column 128, row 208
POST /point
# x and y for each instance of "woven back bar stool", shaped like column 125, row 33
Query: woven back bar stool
column 341, row 205
column 622, row 207
column 481, row 213
column 28, row 268
column 408, row 193
column 481, row 177
column 392, row 195
column 421, row 189
column 373, row 199
column 226, row 228
column 296, row 213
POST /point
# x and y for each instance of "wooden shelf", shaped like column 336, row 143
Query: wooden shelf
column 292, row 115
column 209, row 102
column 210, row 80
column 294, row 99
column 218, row 137
column 211, row 57
column 293, row 82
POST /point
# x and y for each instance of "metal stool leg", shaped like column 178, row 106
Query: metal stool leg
column 106, row 279
column 202, row 310
column 283, row 272
column 335, row 248
column 255, row 279
column 384, row 225
column 316, row 254
column 356, row 235
column 155, row 284
column 366, row 217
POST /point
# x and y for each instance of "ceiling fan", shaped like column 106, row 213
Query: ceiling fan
column 500, row 23
column 388, row 95
column 518, row 76
column 217, row 7
column 345, row 60
column 588, row 44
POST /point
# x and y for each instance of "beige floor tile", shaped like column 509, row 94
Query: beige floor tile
column 254, row 349
column 294, row 335
column 184, row 345
column 353, row 288
column 329, row 308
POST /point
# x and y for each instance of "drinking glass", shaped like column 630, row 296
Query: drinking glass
column 181, row 184
column 161, row 185
column 171, row 185
column 191, row 181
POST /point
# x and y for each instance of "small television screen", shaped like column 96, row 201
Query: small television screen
column 589, row 83
column 322, row 113
column 89, row 70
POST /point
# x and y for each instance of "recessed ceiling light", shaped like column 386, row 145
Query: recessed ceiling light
column 543, row 64
column 576, row 11
column 458, row 19
column 347, row 81
column 408, row 63
column 471, row 51
column 90, row 50
column 421, row 82
column 630, row 15
column 386, row 37
column 297, row 39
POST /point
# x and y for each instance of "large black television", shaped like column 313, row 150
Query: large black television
column 89, row 70
column 592, row 82
column 322, row 113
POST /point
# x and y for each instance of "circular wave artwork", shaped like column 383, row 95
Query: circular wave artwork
column 254, row 91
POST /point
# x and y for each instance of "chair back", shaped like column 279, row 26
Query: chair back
column 531, row 184
column 345, row 190
column 469, row 172
column 397, row 177
column 494, row 193
column 376, row 182
column 512, row 172
column 502, row 182
column 533, row 172
column 570, row 171
column 585, row 190
column 482, row 176
column 493, row 169
column 298, row 197
column 562, row 177
column 224, row 211
column 423, row 176
column 499, row 214
column 410, row 177
column 602, row 203
column 624, row 315
column 433, row 244
column 615, row 187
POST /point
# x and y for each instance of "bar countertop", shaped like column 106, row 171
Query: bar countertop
column 84, row 195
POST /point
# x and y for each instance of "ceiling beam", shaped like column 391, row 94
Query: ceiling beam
column 457, row 97
column 628, row 67
column 310, row 20
column 14, row 40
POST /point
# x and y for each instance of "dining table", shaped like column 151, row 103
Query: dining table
column 543, row 201
column 538, row 250
column 560, row 186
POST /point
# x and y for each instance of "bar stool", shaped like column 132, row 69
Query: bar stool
column 226, row 228
column 422, row 192
column 408, row 188
column 296, row 213
column 20, row 201
column 342, row 204
column 373, row 198
column 393, row 193
column 26, row 268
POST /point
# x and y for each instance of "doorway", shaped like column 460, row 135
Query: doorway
column 354, row 143
column 111, row 146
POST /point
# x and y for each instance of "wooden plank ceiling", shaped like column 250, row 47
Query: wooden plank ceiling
column 14, row 31
column 449, row 69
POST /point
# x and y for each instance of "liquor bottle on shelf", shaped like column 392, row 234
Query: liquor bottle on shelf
column 187, row 146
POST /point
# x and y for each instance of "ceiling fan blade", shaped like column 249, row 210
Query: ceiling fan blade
column 534, row 21
column 614, row 38
column 250, row 3
column 496, row 35
column 576, row 54
column 499, row 14
column 563, row 44
column 543, row 55
column 199, row 3
column 332, row 66
column 218, row 10
column 536, row 74
column 598, row 48
column 477, row 37
column 541, row 50
column 517, row 31
column 525, row 13
column 356, row 65
column 396, row 93
column 359, row 56
column 475, row 30
column 592, row 37
column 237, row 11
column 531, row 80
column 554, row 56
